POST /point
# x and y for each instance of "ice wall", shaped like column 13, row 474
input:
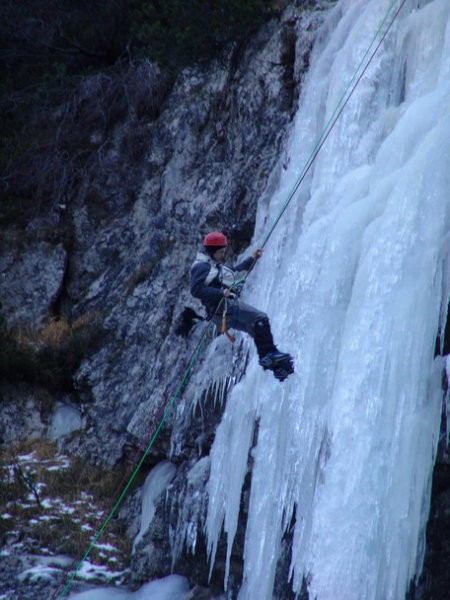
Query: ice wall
column 353, row 279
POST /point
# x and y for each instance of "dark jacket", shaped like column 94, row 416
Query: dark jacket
column 209, row 279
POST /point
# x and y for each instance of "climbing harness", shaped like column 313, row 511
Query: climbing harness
column 145, row 447
column 238, row 285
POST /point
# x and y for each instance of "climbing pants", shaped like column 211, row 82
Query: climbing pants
column 244, row 317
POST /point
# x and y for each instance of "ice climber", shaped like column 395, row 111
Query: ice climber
column 215, row 284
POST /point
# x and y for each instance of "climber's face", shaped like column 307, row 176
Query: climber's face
column 219, row 255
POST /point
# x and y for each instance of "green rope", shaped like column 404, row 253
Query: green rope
column 316, row 149
column 184, row 378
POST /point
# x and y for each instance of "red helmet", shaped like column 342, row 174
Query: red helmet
column 215, row 238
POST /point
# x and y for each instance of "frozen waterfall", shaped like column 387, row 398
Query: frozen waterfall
column 355, row 279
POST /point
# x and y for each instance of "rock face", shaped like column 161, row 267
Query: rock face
column 26, row 423
column 119, row 251
column 32, row 273
column 434, row 581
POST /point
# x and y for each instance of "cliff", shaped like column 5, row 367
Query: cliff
column 93, row 286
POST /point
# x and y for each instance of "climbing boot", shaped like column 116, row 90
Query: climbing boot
column 278, row 360
column 284, row 371
column 280, row 363
column 263, row 338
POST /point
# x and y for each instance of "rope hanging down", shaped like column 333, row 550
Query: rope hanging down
column 146, row 445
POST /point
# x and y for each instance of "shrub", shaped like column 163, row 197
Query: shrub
column 49, row 355
column 175, row 32
column 14, row 357
column 69, row 72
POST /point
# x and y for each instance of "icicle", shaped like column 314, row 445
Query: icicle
column 156, row 482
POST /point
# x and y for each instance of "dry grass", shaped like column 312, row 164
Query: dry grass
column 58, row 504
column 58, row 331
column 50, row 355
column 43, row 450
